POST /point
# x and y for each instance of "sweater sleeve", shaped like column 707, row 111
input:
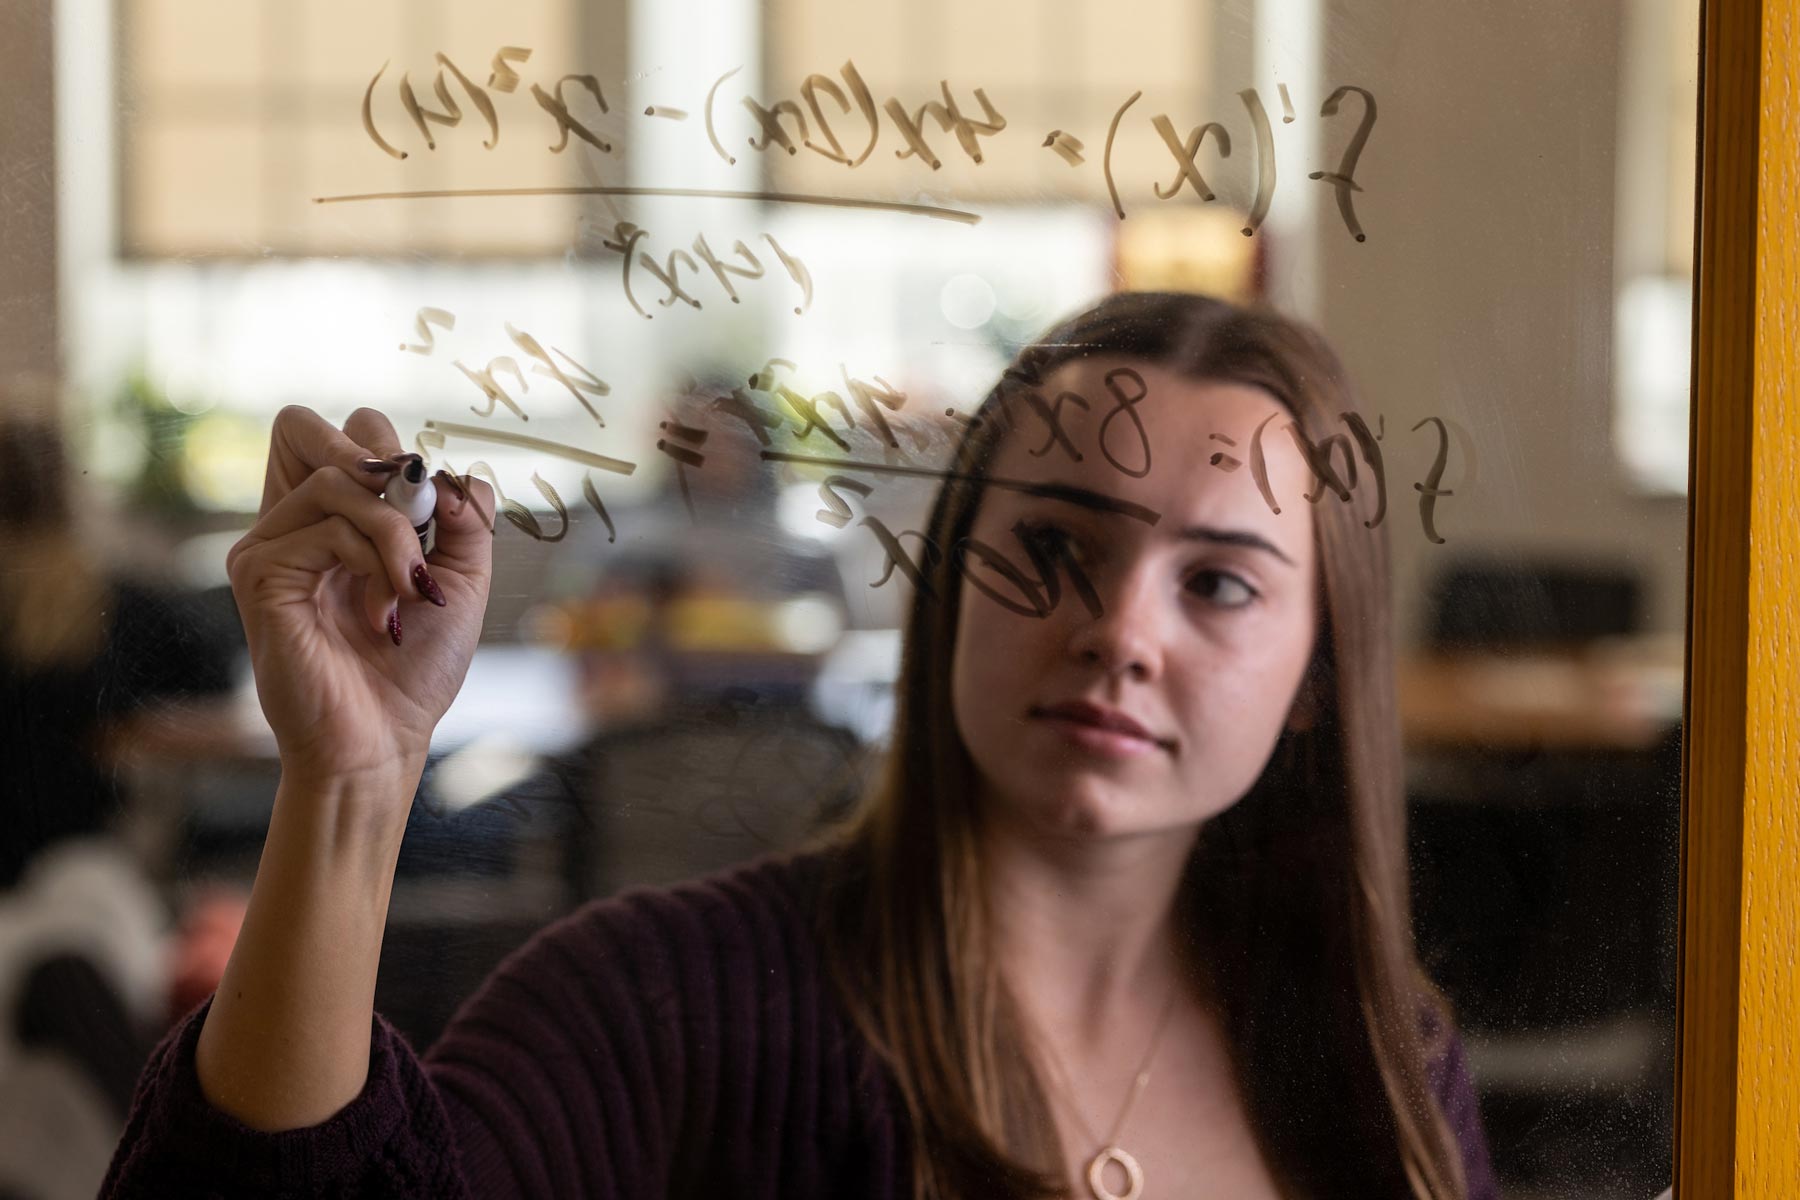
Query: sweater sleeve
column 552, row 1079
column 394, row 1139
column 1455, row 1091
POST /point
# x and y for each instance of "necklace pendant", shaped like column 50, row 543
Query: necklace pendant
column 1096, row 1174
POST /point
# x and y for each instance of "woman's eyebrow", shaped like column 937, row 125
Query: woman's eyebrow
column 1233, row 537
column 1081, row 497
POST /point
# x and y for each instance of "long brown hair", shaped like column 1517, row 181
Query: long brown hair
column 1313, row 966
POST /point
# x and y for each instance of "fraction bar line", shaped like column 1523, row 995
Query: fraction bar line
column 1052, row 491
column 541, row 445
column 914, row 210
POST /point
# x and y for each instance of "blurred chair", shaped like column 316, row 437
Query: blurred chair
column 1514, row 603
column 705, row 786
column 702, row 787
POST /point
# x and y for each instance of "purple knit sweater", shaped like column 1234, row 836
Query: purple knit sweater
column 664, row 1042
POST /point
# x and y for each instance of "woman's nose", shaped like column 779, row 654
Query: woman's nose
column 1124, row 639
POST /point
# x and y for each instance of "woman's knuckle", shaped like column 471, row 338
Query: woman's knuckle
column 399, row 533
column 319, row 478
column 330, row 480
column 240, row 565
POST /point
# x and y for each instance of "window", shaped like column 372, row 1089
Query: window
column 1064, row 69
column 1655, row 244
column 235, row 115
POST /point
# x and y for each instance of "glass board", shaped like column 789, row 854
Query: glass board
column 1219, row 466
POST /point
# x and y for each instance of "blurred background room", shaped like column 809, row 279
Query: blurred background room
column 689, row 650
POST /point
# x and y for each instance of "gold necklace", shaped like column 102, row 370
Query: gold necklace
column 1110, row 1151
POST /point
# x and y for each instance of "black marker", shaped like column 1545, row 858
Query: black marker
column 413, row 493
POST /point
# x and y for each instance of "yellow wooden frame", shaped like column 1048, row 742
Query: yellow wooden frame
column 1737, row 1117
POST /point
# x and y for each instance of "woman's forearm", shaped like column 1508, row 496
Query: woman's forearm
column 286, row 1041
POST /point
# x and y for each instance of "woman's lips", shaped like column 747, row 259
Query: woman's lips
column 1100, row 728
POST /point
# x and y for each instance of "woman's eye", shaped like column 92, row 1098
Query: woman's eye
column 1048, row 537
column 1222, row 588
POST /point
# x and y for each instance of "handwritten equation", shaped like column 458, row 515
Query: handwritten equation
column 838, row 120
column 742, row 264
column 502, row 381
column 778, row 415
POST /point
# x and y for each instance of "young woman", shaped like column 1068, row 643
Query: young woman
column 1126, row 916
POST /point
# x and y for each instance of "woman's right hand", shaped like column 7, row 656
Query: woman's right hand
column 355, row 660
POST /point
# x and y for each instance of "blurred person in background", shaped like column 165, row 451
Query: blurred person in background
column 695, row 576
column 89, row 970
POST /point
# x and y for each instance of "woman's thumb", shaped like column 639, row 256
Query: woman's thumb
column 465, row 520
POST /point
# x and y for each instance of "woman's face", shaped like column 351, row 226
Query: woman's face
column 1208, row 620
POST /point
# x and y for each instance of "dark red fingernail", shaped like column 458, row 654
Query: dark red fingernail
column 427, row 586
column 377, row 466
column 394, row 625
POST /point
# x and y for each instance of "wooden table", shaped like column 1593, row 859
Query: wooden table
column 1623, row 696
